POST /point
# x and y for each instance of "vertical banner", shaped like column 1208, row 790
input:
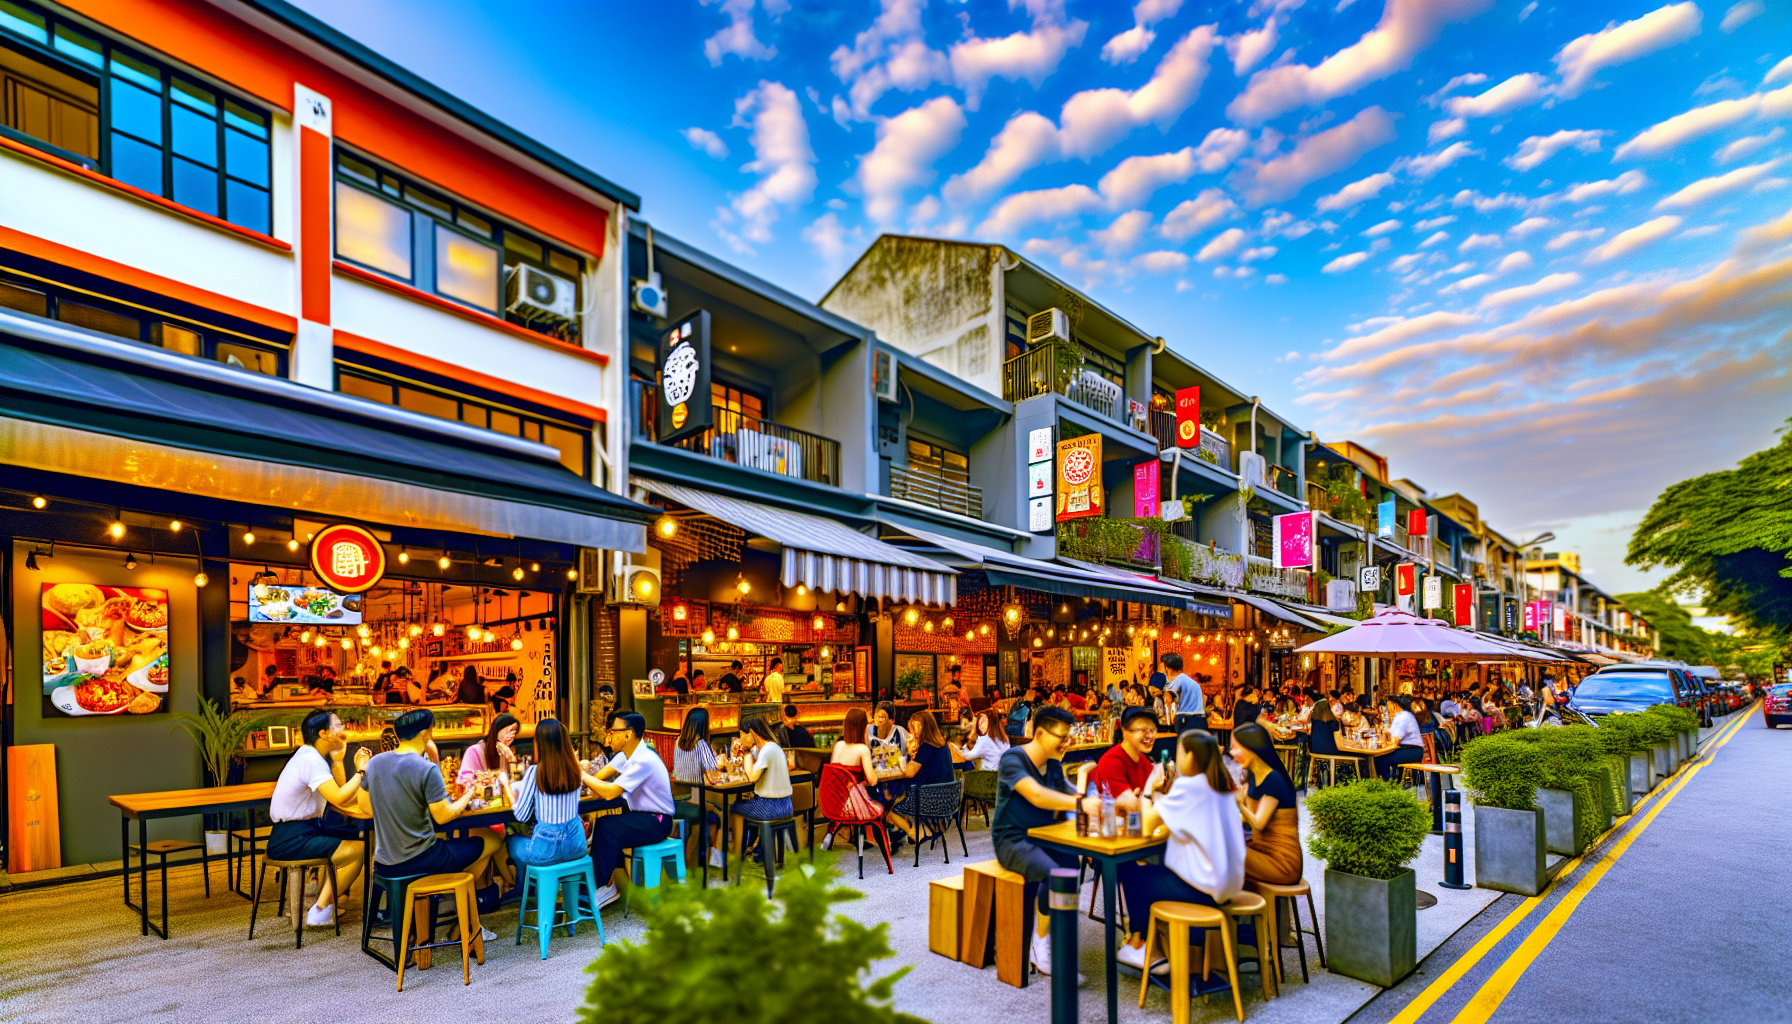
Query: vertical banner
column 1188, row 418
column 1039, row 480
column 1559, row 618
column 1079, row 478
column 1145, row 479
column 1292, row 540
column 684, row 378
column 1415, row 523
column 1384, row 519
column 1465, row 604
column 1530, row 616
column 1404, row 579
column 1434, row 592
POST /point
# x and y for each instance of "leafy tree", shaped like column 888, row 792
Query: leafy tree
column 1680, row 639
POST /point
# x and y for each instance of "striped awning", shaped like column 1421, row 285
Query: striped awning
column 823, row 554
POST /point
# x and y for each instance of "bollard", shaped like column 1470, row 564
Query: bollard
column 1063, row 897
column 1453, row 840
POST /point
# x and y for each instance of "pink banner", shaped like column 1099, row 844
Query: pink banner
column 1294, row 541
column 1144, row 490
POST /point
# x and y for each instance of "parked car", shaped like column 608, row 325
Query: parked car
column 1618, row 688
column 1731, row 698
column 1777, row 708
column 1709, row 703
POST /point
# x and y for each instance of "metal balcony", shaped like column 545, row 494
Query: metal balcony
column 747, row 441
column 936, row 491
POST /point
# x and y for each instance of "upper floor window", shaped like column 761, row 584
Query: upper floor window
column 78, row 95
column 735, row 409
column 388, row 223
column 570, row 439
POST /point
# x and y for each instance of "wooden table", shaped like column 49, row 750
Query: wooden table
column 731, row 789
column 1107, row 853
column 1368, row 754
column 178, row 803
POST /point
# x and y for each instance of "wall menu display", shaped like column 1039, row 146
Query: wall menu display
column 271, row 602
column 105, row 650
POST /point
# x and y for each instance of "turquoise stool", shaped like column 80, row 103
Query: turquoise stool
column 563, row 879
column 647, row 863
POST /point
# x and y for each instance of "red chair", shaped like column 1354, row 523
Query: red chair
column 837, row 781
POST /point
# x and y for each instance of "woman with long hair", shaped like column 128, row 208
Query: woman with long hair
column 694, row 761
column 853, row 752
column 989, row 741
column 549, row 794
column 929, row 762
column 769, row 772
column 493, row 753
column 1204, row 857
column 1322, row 728
column 472, row 689
column 1272, row 854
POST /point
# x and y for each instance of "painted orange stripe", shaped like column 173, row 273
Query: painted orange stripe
column 138, row 194
column 76, row 259
column 468, row 312
column 314, row 225
column 451, row 371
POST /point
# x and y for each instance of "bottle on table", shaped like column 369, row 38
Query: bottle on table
column 1107, row 813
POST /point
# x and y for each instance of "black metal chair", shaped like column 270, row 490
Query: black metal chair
column 933, row 809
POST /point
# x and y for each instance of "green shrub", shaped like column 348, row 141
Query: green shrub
column 1619, row 735
column 1369, row 828
column 1682, row 719
column 1576, row 762
column 730, row 954
column 1652, row 730
column 1504, row 770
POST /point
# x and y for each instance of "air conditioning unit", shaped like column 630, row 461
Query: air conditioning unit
column 884, row 376
column 1051, row 325
column 649, row 297
column 636, row 585
column 535, row 294
column 1252, row 468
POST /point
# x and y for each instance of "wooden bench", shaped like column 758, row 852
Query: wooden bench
column 995, row 920
column 945, row 916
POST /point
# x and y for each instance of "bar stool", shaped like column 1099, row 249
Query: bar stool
column 646, row 864
column 768, row 828
column 1331, row 762
column 1291, row 756
column 564, row 880
column 1269, row 966
column 459, row 885
column 242, row 844
column 292, row 896
column 160, row 849
column 391, row 890
column 1273, row 893
column 1178, row 919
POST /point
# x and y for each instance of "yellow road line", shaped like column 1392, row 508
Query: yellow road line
column 1465, row 963
column 1492, row 993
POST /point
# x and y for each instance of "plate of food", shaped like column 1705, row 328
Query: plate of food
column 103, row 697
column 152, row 677
column 146, row 616
column 93, row 658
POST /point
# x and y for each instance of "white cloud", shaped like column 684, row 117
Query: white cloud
column 1747, row 145
column 1220, row 148
column 1025, row 142
column 1276, row 279
column 738, row 38
column 1133, row 180
column 1707, row 188
column 1465, row 284
column 1131, row 44
column 706, row 141
column 1529, row 226
column 1247, row 49
column 1625, row 242
column 907, row 146
column 1741, row 14
column 1525, row 12
column 1400, row 265
column 1348, row 261
column 1622, row 185
column 1318, row 156
column 1700, row 121
column 1437, row 239
column 1354, row 193
column 1095, row 119
column 1488, row 204
column 1124, row 233
column 1406, row 27
column 1399, row 332
column 1514, row 261
column 1193, row 216
column 1473, row 242
column 1223, row 245
column 1527, row 292
column 1472, row 78
column 1779, row 71
column 1434, row 222
column 892, row 53
column 1538, row 148
column 1448, row 128
column 1162, row 261
column 1430, row 163
column 1615, row 44
column 782, row 157
column 1046, row 205
column 1568, row 238
column 1383, row 228
column 1030, row 56
column 831, row 240
column 1515, row 92
column 1261, row 252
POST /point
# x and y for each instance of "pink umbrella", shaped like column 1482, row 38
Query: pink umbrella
column 1400, row 634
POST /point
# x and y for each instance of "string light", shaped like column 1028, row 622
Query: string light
column 305, row 637
column 516, row 643
column 572, row 574
column 248, row 536
column 37, row 501
column 174, row 525
column 404, row 557
column 416, row 630
column 116, row 529
column 201, row 579
column 666, row 527
column 517, row 574
column 442, row 563
column 437, row 629
column 743, row 586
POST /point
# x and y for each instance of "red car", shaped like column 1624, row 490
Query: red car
column 1777, row 708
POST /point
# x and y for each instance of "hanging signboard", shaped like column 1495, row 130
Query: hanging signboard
column 1530, row 616
column 1039, row 480
column 1039, row 445
column 1434, row 592
column 1144, row 489
column 1404, row 579
column 1415, row 523
column 1464, row 594
column 1188, row 418
column 1384, row 519
column 1292, row 540
column 347, row 558
column 1079, row 478
column 1370, row 581
column 684, row 402
column 1039, row 514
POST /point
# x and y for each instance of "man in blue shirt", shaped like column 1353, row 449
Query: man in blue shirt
column 1190, row 704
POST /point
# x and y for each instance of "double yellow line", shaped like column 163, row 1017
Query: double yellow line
column 1494, row 991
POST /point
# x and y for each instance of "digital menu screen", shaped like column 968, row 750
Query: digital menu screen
column 272, row 602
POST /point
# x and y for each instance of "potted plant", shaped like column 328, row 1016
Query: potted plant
column 1656, row 734
column 1618, row 734
column 218, row 736
column 1366, row 832
column 1504, row 772
column 1576, row 792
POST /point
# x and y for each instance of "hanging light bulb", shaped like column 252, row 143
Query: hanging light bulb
column 442, row 563
column 130, row 561
column 174, row 525
column 801, row 590
column 666, row 527
column 983, row 628
column 517, row 574
column 946, row 622
column 733, row 632
column 415, row 630
column 1038, row 642
column 827, row 653
column 437, row 629
column 404, row 557
column 516, row 643
column 319, row 642
column 572, row 574
column 709, row 636
column 37, row 501
column 305, row 637
column 473, row 632
column 248, row 536
column 743, row 586
column 927, row 627
column 116, row 529
column 970, row 634
column 534, row 566
column 200, row 579
column 347, row 644
column 404, row 643
column 820, row 623
column 374, row 650
column 363, row 631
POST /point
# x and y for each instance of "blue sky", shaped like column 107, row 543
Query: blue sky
column 1534, row 252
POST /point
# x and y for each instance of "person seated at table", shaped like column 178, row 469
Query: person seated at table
column 1031, row 792
column 885, row 733
column 852, row 752
column 493, row 753
column 1403, row 731
column 1019, row 713
column 410, row 802
column 681, row 672
column 930, row 762
column 549, row 794
column 471, row 689
column 769, row 772
column 1247, row 708
column 312, row 780
column 952, row 691
column 323, row 684
column 1184, row 696
column 1125, row 766
column 793, row 735
column 1322, row 729
column 990, row 742
column 730, row 681
column 1272, row 854
column 1076, row 698
column 1448, row 706
column 641, row 780
column 1203, row 861
column 694, row 761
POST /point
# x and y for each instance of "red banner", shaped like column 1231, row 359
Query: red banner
column 1465, row 604
column 1530, row 615
column 1404, row 579
column 1415, row 523
column 1188, row 418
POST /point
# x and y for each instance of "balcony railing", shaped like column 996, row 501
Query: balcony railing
column 1262, row 576
column 749, row 441
column 1213, row 447
column 936, row 492
column 1283, row 479
column 1042, row 372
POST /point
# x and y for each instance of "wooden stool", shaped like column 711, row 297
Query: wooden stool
column 1290, row 753
column 1273, row 892
column 244, row 844
column 1269, row 966
column 1177, row 919
column 1331, row 762
column 160, row 849
column 995, row 896
column 945, row 916
column 292, row 893
column 1420, row 774
column 466, row 911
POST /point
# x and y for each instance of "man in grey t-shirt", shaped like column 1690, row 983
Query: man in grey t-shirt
column 410, row 801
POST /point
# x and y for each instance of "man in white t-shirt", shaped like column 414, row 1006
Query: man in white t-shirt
column 774, row 682
column 636, row 775
column 1190, row 706
column 313, row 779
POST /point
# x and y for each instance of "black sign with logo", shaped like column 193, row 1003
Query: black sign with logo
column 684, row 378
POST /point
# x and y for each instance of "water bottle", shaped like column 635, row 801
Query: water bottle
column 1134, row 824
column 1107, row 813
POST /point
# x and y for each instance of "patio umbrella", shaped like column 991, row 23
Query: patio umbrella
column 1400, row 634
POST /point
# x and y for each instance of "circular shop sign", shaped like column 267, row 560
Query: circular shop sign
column 347, row 558
column 1079, row 466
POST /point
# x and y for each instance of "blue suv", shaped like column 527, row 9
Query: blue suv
column 1619, row 688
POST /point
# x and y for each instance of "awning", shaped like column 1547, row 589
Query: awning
column 1204, row 600
column 1006, row 569
column 1280, row 612
column 823, row 554
column 275, row 444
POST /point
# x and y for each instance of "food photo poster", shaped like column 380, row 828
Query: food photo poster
column 105, row 650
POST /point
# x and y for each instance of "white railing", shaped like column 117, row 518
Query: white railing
column 1263, row 577
column 1219, row 568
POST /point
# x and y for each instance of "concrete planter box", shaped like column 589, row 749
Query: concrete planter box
column 1689, row 745
column 1660, row 762
column 1509, row 851
column 1371, row 926
column 1561, row 809
column 1626, row 798
column 1642, row 780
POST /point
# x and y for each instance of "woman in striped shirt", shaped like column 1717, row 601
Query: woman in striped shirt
column 549, row 793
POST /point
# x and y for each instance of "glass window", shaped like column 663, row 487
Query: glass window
column 195, row 186
column 474, row 414
column 184, row 340
column 428, row 403
column 466, row 269
column 372, row 231
column 25, row 300
column 560, row 263
column 357, row 169
column 81, row 47
column 193, row 120
column 42, row 101
column 136, row 163
column 532, row 430
column 29, row 24
column 571, row 445
column 137, row 111
column 94, row 318
column 521, row 246
column 244, row 357
column 364, row 387
column 246, row 205
column 505, row 423
column 432, row 204
column 474, row 223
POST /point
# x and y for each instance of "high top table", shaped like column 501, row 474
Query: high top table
column 176, row 803
column 1107, row 853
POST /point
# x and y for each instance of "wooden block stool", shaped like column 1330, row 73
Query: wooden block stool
column 1274, row 894
column 995, row 914
column 1269, row 965
column 421, row 917
column 1331, row 762
column 291, row 874
column 945, row 916
column 1177, row 919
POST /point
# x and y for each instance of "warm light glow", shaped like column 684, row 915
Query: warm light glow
column 983, row 628
column 970, row 634
column 473, row 632
column 374, row 650
column 404, row 558
column 416, row 630
column 201, row 579
column 319, row 642
column 404, row 643
column 174, row 525
column 801, row 590
column 910, row 617
column 946, row 622
column 709, row 636
column 248, row 535
column 733, row 633
column 364, row 631
column 305, row 637
column 839, row 606
column 820, row 623
column 572, row 574
column 516, row 643
column 666, row 527
column 293, row 544
column 37, row 501
column 347, row 644
column 1038, row 642
column 442, row 563
column 643, row 587
column 826, row 653
column 743, row 586
column 517, row 574
column 927, row 627
column 1011, row 614
column 116, row 529
column 534, row 566
column 437, row 629
column 679, row 613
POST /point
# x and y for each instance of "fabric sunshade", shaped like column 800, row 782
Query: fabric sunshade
column 1006, row 569
column 1277, row 611
column 823, row 554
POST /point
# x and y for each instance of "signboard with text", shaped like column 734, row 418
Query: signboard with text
column 1434, row 592
column 1188, row 418
column 1464, row 611
column 1080, row 492
column 1145, row 480
column 1292, row 540
column 684, row 399
column 1369, row 579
